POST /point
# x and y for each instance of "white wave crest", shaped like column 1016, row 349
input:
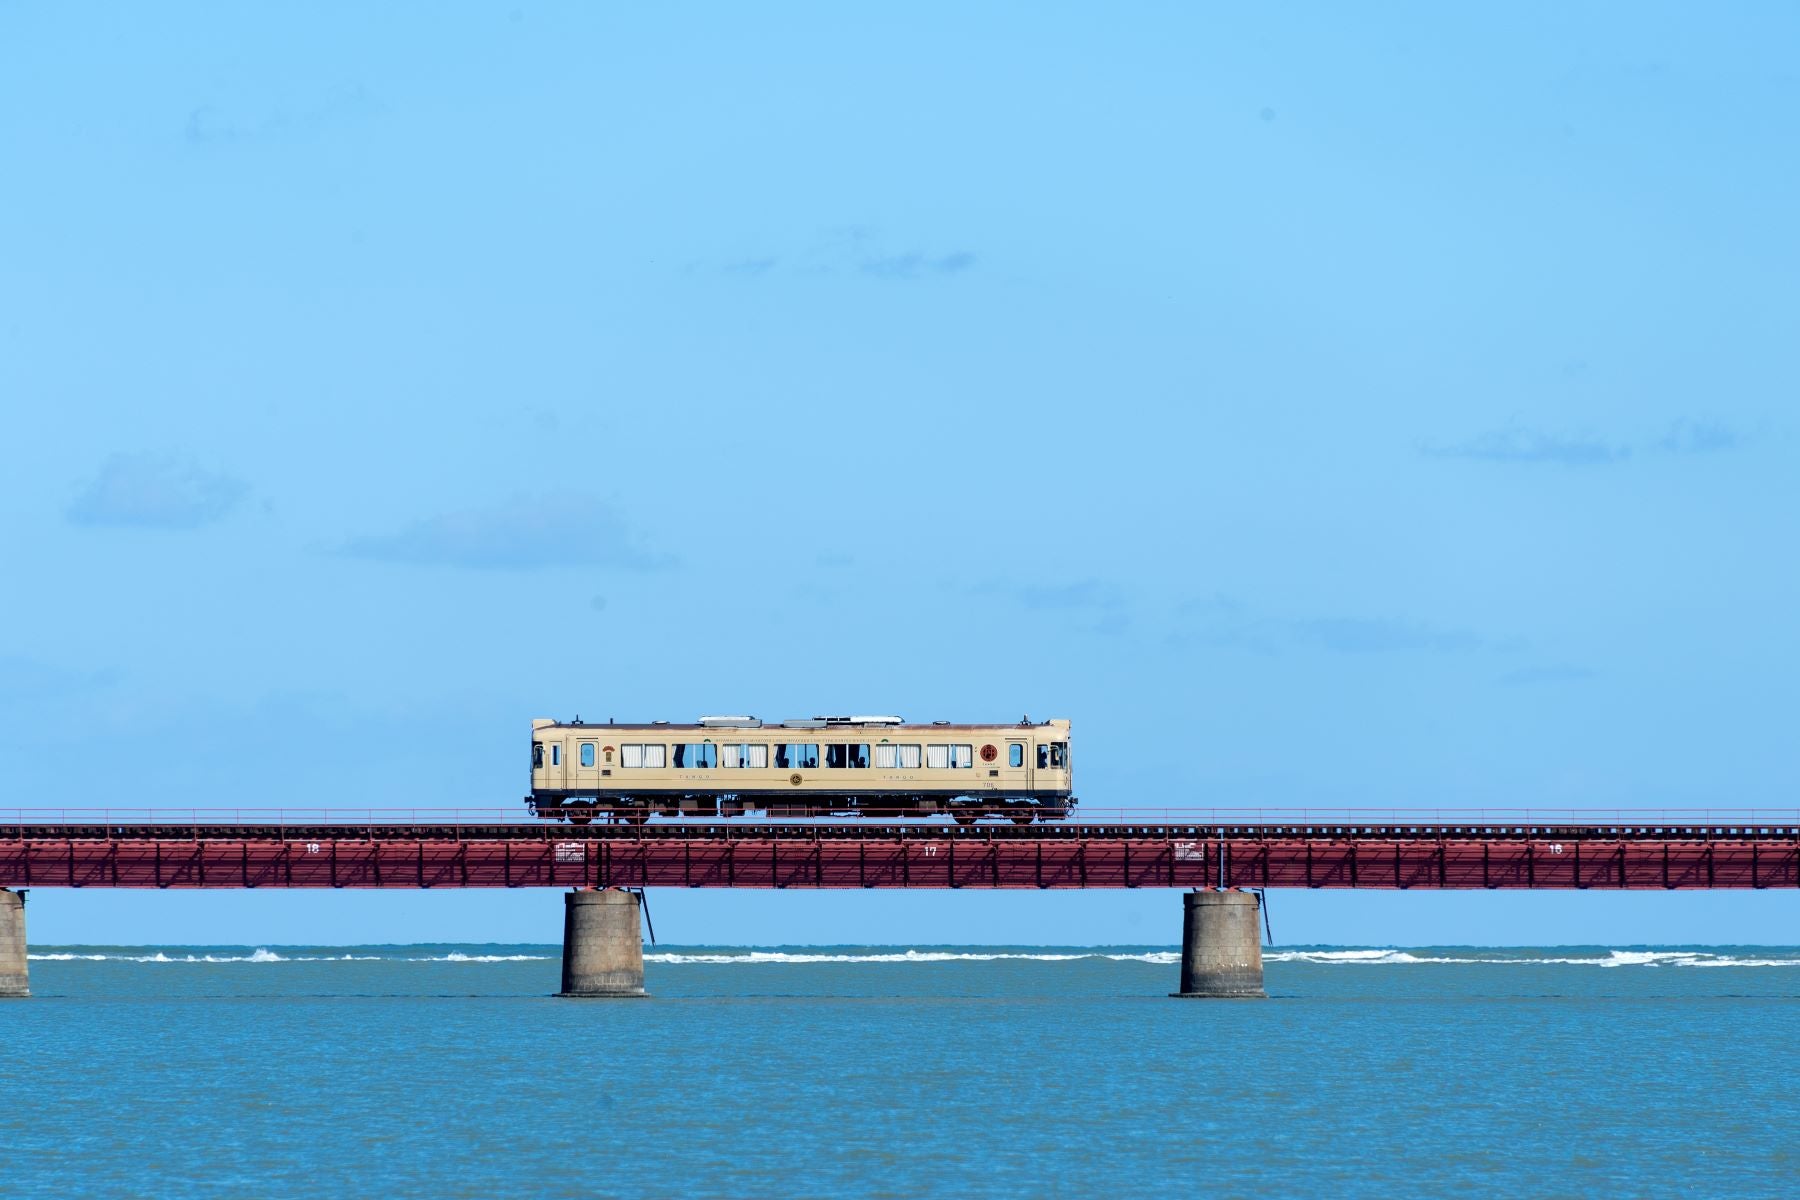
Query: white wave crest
column 729, row 958
column 1612, row 958
column 457, row 957
column 260, row 955
column 726, row 958
column 70, row 957
column 1349, row 956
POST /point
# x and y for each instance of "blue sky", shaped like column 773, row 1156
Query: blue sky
column 1320, row 406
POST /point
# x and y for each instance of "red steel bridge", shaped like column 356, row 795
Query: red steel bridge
column 1175, row 849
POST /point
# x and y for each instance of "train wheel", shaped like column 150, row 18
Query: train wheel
column 579, row 814
column 634, row 818
column 965, row 818
column 1024, row 818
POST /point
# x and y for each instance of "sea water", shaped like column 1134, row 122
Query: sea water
column 849, row 1071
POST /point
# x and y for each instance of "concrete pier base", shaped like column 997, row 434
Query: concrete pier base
column 14, row 979
column 1221, row 946
column 603, row 952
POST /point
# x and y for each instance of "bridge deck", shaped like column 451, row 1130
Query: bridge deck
column 899, row 855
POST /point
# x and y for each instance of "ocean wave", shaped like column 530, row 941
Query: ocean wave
column 1347, row 956
column 1612, row 958
column 1370, row 957
column 259, row 955
column 730, row 958
column 263, row 955
column 71, row 957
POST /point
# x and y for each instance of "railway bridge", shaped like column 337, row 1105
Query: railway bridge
column 1223, row 862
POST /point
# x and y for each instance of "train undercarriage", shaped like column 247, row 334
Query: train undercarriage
column 635, row 810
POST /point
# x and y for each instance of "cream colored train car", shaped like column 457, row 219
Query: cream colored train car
column 868, row 766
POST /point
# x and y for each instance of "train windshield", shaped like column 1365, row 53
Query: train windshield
column 537, row 755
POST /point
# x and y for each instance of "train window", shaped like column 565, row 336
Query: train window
column 896, row 758
column 696, row 754
column 754, row 758
column 556, row 755
column 1015, row 754
column 537, row 755
column 944, row 757
column 792, row 755
column 1043, row 756
column 1059, row 755
column 653, row 756
column 587, row 754
column 853, row 756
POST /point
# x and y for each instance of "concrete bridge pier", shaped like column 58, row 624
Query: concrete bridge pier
column 603, row 952
column 1221, row 946
column 14, row 980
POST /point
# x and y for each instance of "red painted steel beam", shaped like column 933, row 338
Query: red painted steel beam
column 919, row 858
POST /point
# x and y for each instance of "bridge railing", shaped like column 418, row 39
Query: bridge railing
column 1086, row 815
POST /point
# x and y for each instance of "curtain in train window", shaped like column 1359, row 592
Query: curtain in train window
column 937, row 757
column 962, row 756
column 739, row 754
column 630, row 755
column 656, row 756
column 896, row 758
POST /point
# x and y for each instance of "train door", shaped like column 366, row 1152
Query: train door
column 1018, row 765
column 555, row 766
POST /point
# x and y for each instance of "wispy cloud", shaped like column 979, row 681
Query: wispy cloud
column 916, row 264
column 1519, row 444
column 1699, row 437
column 219, row 124
column 1554, row 673
column 1516, row 444
column 150, row 491
column 1096, row 606
column 1088, row 593
column 853, row 250
column 31, row 684
column 751, row 267
column 524, row 533
column 1224, row 621
column 1361, row 635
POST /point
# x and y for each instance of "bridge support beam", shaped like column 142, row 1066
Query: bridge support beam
column 603, row 952
column 1221, row 946
column 14, row 980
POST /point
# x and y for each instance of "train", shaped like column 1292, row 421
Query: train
column 867, row 766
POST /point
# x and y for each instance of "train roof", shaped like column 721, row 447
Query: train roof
column 799, row 724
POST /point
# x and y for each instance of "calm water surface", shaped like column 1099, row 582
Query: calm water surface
column 451, row 1071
